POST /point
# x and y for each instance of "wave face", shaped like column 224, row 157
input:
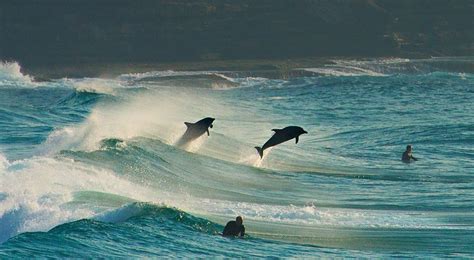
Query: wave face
column 91, row 164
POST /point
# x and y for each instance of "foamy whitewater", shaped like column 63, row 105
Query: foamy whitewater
column 89, row 166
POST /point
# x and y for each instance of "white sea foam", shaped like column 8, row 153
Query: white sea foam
column 203, row 79
column 319, row 216
column 152, row 74
column 253, row 158
column 249, row 82
column 3, row 162
column 10, row 74
column 371, row 67
column 274, row 98
column 94, row 85
column 170, row 73
column 36, row 193
column 346, row 71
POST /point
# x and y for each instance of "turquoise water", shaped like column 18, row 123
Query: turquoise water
column 88, row 166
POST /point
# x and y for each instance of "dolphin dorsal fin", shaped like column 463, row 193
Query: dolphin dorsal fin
column 188, row 124
column 276, row 130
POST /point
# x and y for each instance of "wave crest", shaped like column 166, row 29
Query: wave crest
column 11, row 71
column 160, row 212
column 392, row 66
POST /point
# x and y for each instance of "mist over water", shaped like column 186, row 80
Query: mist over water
column 90, row 163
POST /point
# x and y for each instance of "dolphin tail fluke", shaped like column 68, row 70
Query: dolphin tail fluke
column 260, row 151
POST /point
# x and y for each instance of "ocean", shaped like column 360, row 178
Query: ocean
column 89, row 166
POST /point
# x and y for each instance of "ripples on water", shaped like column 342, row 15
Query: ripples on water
column 90, row 164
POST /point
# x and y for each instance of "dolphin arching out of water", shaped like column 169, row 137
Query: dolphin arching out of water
column 280, row 136
column 195, row 130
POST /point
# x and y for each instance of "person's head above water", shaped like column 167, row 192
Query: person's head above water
column 239, row 220
column 407, row 155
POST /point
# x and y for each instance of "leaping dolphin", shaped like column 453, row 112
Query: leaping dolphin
column 195, row 130
column 280, row 136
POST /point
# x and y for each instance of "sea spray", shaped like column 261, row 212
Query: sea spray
column 11, row 71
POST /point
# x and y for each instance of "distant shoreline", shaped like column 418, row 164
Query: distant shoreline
column 276, row 69
column 270, row 68
column 261, row 67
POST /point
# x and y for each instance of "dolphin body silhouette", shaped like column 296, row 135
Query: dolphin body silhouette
column 195, row 130
column 280, row 136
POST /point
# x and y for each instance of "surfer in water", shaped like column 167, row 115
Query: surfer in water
column 407, row 155
column 234, row 228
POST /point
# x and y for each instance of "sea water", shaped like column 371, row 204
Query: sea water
column 89, row 166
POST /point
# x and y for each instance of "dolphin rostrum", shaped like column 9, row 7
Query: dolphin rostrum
column 280, row 136
column 195, row 130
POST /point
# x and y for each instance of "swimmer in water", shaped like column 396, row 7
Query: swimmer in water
column 234, row 228
column 408, row 156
